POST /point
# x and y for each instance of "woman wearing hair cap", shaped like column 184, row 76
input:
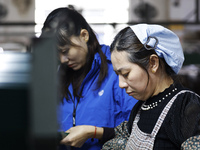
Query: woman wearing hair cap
column 147, row 59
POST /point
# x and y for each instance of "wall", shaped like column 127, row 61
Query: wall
column 17, row 24
column 166, row 10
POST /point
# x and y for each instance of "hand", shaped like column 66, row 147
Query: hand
column 78, row 135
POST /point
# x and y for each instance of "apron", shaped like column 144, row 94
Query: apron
column 139, row 140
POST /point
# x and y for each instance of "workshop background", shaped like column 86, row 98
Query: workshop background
column 28, row 78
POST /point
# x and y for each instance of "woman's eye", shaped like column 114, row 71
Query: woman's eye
column 125, row 75
column 63, row 52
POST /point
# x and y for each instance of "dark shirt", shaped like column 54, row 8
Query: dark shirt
column 181, row 122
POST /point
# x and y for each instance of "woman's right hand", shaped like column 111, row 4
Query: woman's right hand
column 78, row 135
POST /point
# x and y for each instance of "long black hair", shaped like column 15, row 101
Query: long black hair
column 63, row 23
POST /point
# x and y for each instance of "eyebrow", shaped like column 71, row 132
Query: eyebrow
column 120, row 69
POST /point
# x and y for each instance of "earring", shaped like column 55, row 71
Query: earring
column 86, row 39
column 153, row 71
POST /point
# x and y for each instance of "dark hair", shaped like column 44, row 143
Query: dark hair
column 126, row 40
column 64, row 23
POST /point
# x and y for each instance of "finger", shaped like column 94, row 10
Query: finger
column 67, row 131
column 65, row 142
column 80, row 145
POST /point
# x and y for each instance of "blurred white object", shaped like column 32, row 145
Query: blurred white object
column 1, row 50
column 15, row 69
column 190, row 70
column 13, row 47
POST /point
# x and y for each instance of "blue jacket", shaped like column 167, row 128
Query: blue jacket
column 107, row 106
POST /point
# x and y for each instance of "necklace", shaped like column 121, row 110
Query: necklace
column 155, row 104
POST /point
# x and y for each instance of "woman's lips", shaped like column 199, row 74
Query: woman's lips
column 71, row 65
column 130, row 93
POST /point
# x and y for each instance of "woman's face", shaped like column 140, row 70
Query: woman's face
column 131, row 76
column 75, row 56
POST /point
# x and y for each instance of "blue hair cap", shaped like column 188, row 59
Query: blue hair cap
column 165, row 42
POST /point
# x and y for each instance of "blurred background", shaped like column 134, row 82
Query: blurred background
column 21, row 19
column 27, row 82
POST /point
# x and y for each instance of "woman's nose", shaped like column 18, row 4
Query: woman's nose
column 64, row 59
column 122, row 82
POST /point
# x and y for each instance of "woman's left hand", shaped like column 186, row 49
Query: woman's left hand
column 78, row 135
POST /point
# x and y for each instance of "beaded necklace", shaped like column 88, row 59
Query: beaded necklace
column 155, row 104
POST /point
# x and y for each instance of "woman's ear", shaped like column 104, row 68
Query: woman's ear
column 84, row 35
column 153, row 63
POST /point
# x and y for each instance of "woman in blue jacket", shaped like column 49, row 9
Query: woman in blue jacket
column 90, row 94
